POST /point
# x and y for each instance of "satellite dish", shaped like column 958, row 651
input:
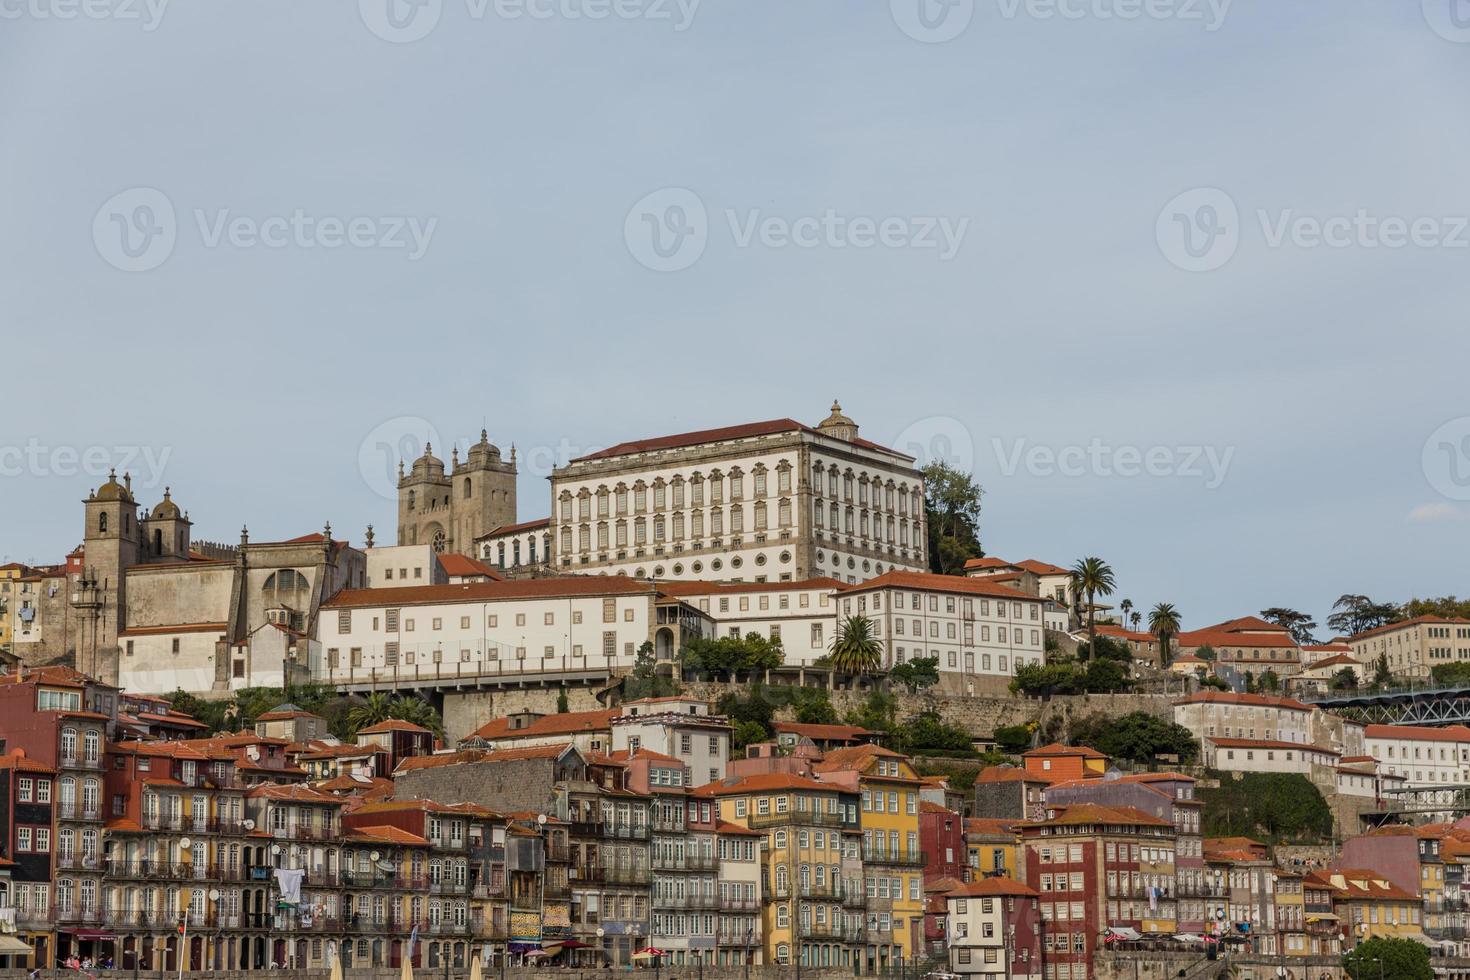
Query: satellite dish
column 275, row 848
column 541, row 818
column 184, row 843
column 375, row 856
column 248, row 824
column 214, row 894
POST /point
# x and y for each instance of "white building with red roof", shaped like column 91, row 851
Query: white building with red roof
column 767, row 501
column 1415, row 646
column 980, row 631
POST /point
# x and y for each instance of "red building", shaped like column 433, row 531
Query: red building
column 942, row 839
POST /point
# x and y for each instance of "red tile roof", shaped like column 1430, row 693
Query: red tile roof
column 538, row 588
column 986, row 887
column 1449, row 733
column 479, row 755
column 1406, row 623
column 830, row 733
column 516, row 528
column 569, row 723
column 1073, row 814
column 697, row 588
column 1255, row 700
column 940, row 583
column 463, row 565
column 749, row 430
column 393, row 725
column 383, row 834
column 1010, row 774
column 1057, row 749
column 765, row 782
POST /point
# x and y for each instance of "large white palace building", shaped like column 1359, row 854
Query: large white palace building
column 774, row 501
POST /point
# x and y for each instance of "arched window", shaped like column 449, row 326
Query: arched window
column 469, row 488
column 412, row 498
column 102, row 523
column 69, row 745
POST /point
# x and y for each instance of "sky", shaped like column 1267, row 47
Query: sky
column 1183, row 282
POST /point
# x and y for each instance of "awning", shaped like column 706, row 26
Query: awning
column 1189, row 937
column 1322, row 917
column 92, row 934
column 1124, row 932
column 9, row 944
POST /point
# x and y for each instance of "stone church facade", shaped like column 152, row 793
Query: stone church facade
column 449, row 509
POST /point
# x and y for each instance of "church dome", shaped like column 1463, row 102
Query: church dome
column 112, row 490
column 837, row 425
column 483, row 451
column 428, row 464
column 166, row 510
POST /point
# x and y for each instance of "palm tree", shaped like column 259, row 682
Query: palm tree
column 1137, row 619
column 1125, row 605
column 855, row 650
column 1163, row 622
column 1092, row 577
column 374, row 709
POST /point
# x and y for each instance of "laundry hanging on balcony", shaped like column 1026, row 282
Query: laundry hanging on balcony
column 288, row 880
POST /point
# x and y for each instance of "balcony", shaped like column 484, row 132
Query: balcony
column 902, row 857
column 637, row 831
column 587, row 872
column 623, row 875
column 830, row 930
column 805, row 818
column 685, row 862
column 732, row 903
column 75, row 913
column 79, row 762
column 587, row 828
column 448, row 886
column 698, row 900
column 556, row 889
column 558, row 853
column 78, row 862
column 71, row 811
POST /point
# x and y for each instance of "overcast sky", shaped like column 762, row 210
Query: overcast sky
column 1185, row 284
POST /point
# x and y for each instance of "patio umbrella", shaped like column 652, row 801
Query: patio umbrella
column 337, row 967
column 475, row 969
column 407, row 969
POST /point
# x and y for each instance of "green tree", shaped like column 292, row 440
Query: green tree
column 927, row 733
column 745, row 733
column 211, row 713
column 1206, row 653
column 952, row 510
column 1092, row 577
column 1163, row 622
column 1354, row 614
column 1449, row 675
column 1137, row 620
column 726, row 656
column 563, row 704
column 1126, row 606
column 1012, row 739
column 1277, row 806
column 856, row 649
column 1137, row 737
column 915, row 674
column 755, row 707
column 1299, row 624
column 1345, row 679
column 1382, row 676
column 1392, row 959
column 1447, row 607
column 645, row 681
column 1269, row 681
column 813, row 706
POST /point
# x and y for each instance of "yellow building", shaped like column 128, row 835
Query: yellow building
column 9, row 602
column 893, row 861
column 991, row 848
column 1370, row 905
column 811, row 865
